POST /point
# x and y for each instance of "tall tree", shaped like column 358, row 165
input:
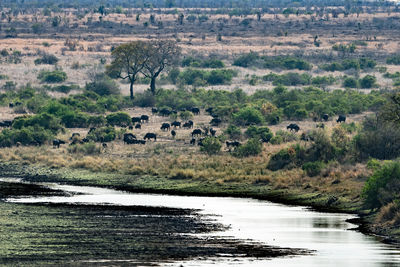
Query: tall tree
column 128, row 61
column 162, row 54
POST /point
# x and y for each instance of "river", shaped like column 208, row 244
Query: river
column 269, row 223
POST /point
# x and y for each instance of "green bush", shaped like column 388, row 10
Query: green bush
column 259, row 133
column 276, row 140
column 395, row 60
column 96, row 121
column 56, row 76
column 233, row 132
column 44, row 120
column 286, row 62
column 350, row 82
column 368, row 81
column 313, row 168
column 285, row 158
column 287, row 136
column 253, row 147
column 46, row 59
column 103, row 134
column 382, row 187
column 248, row 116
column 201, row 77
column 211, row 145
column 75, row 120
column 246, row 60
column 87, row 149
column 31, row 135
column 118, row 119
column 103, row 85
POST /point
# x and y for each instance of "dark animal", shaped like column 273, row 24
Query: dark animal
column 128, row 138
column 105, row 106
column 195, row 111
column 18, row 103
column 104, row 145
column 91, row 129
column 10, row 105
column 130, row 127
column 144, row 118
column 57, row 143
column 165, row 126
column 293, row 127
column 85, row 140
column 138, row 126
column 176, row 124
column 136, row 120
column 5, row 123
column 200, row 142
column 188, row 124
column 215, row 121
column 213, row 132
column 150, row 136
column 196, row 132
column 306, row 137
column 341, row 118
column 173, row 133
column 193, row 141
column 75, row 134
column 209, row 110
column 320, row 125
column 154, row 111
column 233, row 143
column 165, row 112
column 325, row 117
column 18, row 144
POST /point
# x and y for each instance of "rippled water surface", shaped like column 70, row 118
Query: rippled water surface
column 266, row 222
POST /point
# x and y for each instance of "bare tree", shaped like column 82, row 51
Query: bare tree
column 162, row 54
column 128, row 61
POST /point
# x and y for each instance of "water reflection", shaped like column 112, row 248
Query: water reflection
column 272, row 224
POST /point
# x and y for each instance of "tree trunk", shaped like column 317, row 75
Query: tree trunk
column 153, row 85
column 131, row 89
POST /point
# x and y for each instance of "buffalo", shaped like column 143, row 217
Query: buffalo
column 57, row 143
column 188, row 124
column 173, row 133
column 233, row 144
column 165, row 112
column 144, row 118
column 104, row 145
column 176, row 124
column 293, row 127
column 150, row 136
column 10, row 105
column 209, row 110
column 136, row 120
column 196, row 132
column 154, row 111
column 213, row 132
column 320, row 125
column 195, row 111
column 91, row 129
column 130, row 127
column 138, row 126
column 341, row 118
column 215, row 121
column 193, row 141
column 128, row 138
column 165, row 126
column 325, row 117
column 6, row 123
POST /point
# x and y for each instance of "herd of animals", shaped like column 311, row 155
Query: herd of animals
column 200, row 134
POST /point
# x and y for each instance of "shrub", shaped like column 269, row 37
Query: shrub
column 118, row 119
column 368, row 81
column 246, row 60
column 285, row 158
column 75, row 120
column 233, row 132
column 87, row 149
column 46, row 59
column 381, row 188
column 185, row 115
column 103, row 134
column 96, row 121
column 56, row 76
column 253, row 147
column 350, row 82
column 211, row 145
column 276, row 140
column 31, row 135
column 395, row 60
column 259, row 133
column 103, row 85
column 287, row 136
column 44, row 120
column 313, row 168
column 248, row 116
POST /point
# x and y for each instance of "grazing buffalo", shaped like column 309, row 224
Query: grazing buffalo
column 91, row 129
column 154, row 111
column 136, row 120
column 18, row 103
column 138, row 126
column 10, row 105
column 104, row 145
column 195, row 111
column 165, row 126
column 105, row 106
column 325, row 117
column 130, row 127
column 128, row 138
column 209, row 110
column 176, row 124
column 165, row 112
column 85, row 140
column 196, row 132
column 150, row 136
column 5, row 123
column 173, row 133
column 213, row 132
column 144, row 118
column 188, row 124
column 233, row 144
column 200, row 142
column 215, row 121
column 193, row 141
column 341, row 118
column 57, row 143
column 293, row 127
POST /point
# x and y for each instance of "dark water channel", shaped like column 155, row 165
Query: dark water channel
column 262, row 221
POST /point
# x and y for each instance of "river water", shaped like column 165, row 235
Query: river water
column 272, row 224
